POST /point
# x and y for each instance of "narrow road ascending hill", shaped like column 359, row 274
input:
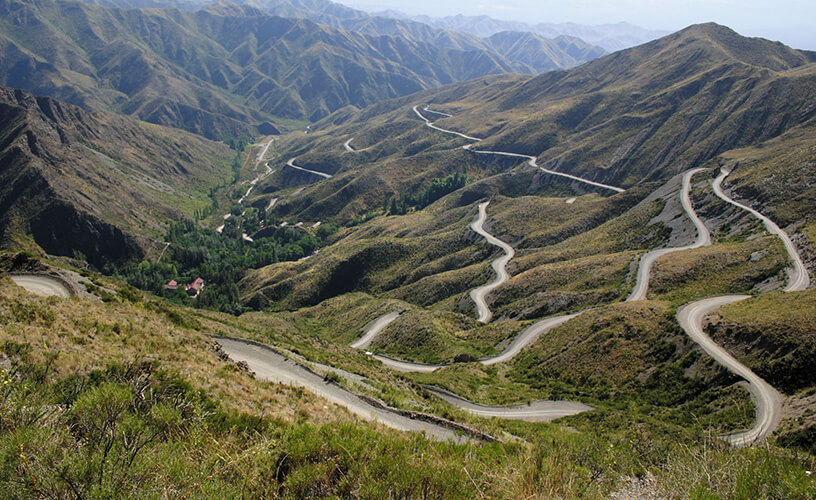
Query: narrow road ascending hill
column 649, row 258
column 262, row 154
column 499, row 265
column 429, row 123
column 291, row 163
column 271, row 366
column 429, row 110
column 374, row 329
column 348, row 147
column 522, row 340
column 527, row 337
column 799, row 279
column 767, row 399
column 531, row 160
column 41, row 285
column 535, row 411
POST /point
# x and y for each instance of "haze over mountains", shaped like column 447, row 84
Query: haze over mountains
column 611, row 37
column 220, row 70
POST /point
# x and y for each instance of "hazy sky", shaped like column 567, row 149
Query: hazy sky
column 790, row 21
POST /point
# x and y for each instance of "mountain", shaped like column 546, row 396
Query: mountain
column 97, row 186
column 375, row 221
column 634, row 119
column 218, row 71
column 535, row 55
column 611, row 37
column 640, row 115
column 544, row 54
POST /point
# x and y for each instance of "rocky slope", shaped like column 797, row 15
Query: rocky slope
column 96, row 186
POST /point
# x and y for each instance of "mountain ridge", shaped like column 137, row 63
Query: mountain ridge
column 612, row 37
column 96, row 185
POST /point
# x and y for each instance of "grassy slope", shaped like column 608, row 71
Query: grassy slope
column 659, row 109
column 280, row 429
column 773, row 335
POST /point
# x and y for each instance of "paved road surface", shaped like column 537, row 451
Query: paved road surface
column 799, row 278
column 374, row 329
column 262, row 154
column 499, row 265
column 522, row 340
column 291, row 163
column 41, row 285
column 271, row 366
column 429, row 110
column 535, row 411
column 767, row 399
column 348, row 147
column 531, row 160
column 430, row 124
column 649, row 258
column 528, row 336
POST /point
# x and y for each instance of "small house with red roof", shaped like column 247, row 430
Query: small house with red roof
column 194, row 288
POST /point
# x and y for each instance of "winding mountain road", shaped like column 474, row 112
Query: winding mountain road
column 531, row 160
column 521, row 340
column 440, row 113
column 535, row 411
column 254, row 182
column 374, row 329
column 499, row 265
column 799, row 278
column 690, row 317
column 262, row 154
column 430, row 124
column 41, row 285
column 348, row 147
column 766, row 398
column 291, row 163
column 271, row 366
column 649, row 258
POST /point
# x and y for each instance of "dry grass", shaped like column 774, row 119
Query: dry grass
column 88, row 335
column 733, row 267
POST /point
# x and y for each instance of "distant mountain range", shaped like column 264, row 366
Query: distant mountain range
column 611, row 37
column 97, row 186
column 221, row 70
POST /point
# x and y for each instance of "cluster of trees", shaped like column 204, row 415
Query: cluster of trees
column 239, row 143
column 220, row 260
column 438, row 188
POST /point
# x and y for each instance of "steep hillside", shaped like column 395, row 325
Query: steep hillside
column 97, row 186
column 219, row 71
column 640, row 115
column 535, row 55
column 543, row 54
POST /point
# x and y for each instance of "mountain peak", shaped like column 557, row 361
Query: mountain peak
column 760, row 52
